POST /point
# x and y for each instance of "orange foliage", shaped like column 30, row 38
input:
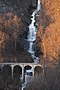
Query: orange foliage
column 51, row 42
column 3, row 38
column 9, row 25
column 50, row 38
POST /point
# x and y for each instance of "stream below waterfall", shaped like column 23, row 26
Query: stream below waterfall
column 32, row 34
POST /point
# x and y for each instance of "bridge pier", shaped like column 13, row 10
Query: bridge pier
column 33, row 71
column 12, row 70
column 22, row 73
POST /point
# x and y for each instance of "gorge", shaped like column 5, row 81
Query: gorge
column 30, row 44
column 15, row 17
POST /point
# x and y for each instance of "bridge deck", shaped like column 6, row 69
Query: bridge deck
column 21, row 64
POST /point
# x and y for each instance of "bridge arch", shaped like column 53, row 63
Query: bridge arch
column 17, row 71
column 27, row 73
column 7, row 70
column 38, row 70
column 27, row 67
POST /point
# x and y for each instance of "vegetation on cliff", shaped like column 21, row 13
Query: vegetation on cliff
column 48, row 35
column 14, row 21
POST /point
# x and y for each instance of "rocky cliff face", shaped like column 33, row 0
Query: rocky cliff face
column 14, row 20
column 48, row 35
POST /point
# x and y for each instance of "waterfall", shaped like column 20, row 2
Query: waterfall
column 39, row 5
column 32, row 33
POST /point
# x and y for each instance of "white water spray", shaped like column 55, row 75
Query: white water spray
column 39, row 5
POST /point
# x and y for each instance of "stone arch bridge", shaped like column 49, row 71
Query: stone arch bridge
column 22, row 66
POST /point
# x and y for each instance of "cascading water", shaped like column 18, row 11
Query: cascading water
column 32, row 37
column 32, row 33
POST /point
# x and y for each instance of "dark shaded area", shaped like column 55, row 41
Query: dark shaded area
column 17, row 71
column 27, row 68
column 50, row 80
column 7, row 70
column 7, row 82
column 38, row 70
column 21, row 57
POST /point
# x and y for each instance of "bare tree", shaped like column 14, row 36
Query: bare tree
column 9, row 26
column 3, row 38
